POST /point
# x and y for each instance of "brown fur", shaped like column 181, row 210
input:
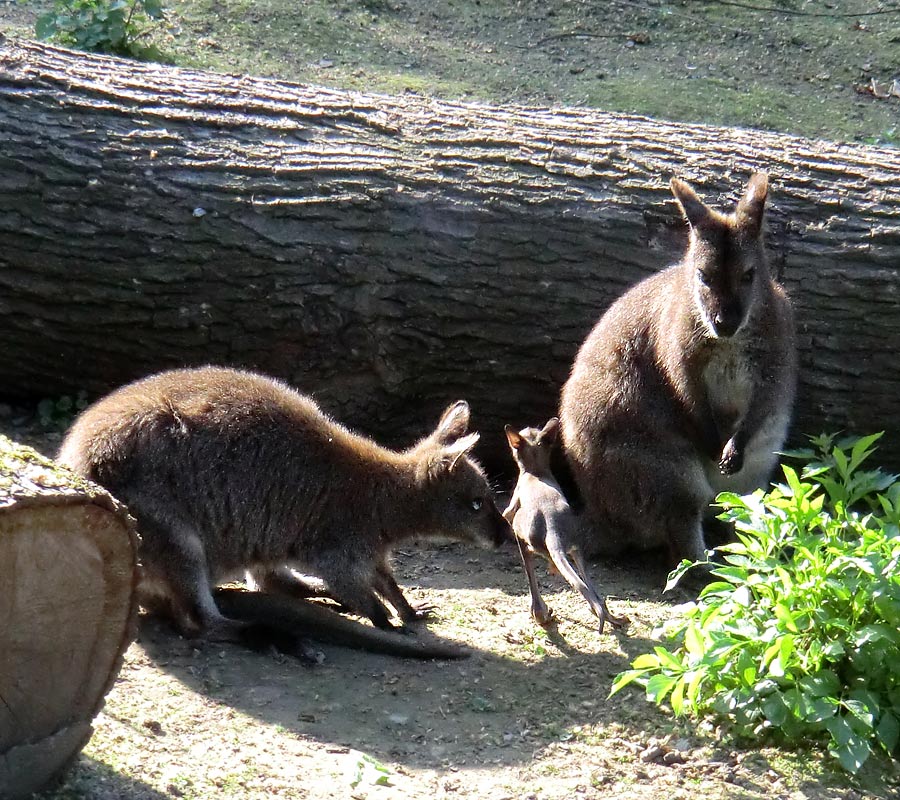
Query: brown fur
column 544, row 523
column 684, row 387
column 228, row 471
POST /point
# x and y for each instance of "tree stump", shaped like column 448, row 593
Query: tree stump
column 68, row 610
column 393, row 254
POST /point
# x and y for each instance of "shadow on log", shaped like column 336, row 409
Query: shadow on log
column 67, row 605
column 390, row 254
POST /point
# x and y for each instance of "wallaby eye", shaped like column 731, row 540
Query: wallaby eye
column 477, row 503
column 703, row 277
column 747, row 277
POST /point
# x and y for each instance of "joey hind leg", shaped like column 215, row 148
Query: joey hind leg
column 595, row 601
column 540, row 611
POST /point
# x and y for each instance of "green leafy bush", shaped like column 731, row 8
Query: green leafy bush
column 103, row 26
column 798, row 635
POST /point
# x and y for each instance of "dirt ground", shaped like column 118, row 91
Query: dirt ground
column 525, row 717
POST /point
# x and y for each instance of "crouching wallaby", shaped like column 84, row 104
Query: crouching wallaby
column 684, row 387
column 228, row 471
column 544, row 524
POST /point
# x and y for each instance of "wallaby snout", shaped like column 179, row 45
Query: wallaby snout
column 501, row 530
column 727, row 321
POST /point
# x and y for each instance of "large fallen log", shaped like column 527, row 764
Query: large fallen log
column 392, row 253
column 67, row 613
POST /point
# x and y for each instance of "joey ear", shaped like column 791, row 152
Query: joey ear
column 550, row 431
column 513, row 437
column 750, row 208
column 697, row 214
column 453, row 424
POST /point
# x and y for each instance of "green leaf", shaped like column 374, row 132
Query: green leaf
column 785, row 615
column 667, row 659
column 693, row 641
column 716, row 587
column 824, row 683
column 840, row 730
column 646, row 661
column 888, row 732
column 863, row 449
column 861, row 712
column 624, row 678
column 365, row 768
column 853, row 754
column 797, row 488
column 694, row 686
column 820, row 709
column 153, row 9
column 677, row 697
column 677, row 574
column 775, row 709
column 659, row 686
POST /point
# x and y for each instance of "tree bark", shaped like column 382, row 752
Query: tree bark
column 389, row 254
column 67, row 605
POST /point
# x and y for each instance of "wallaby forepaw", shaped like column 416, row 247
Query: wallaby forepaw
column 731, row 460
column 421, row 611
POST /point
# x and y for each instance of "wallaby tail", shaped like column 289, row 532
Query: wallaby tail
column 306, row 619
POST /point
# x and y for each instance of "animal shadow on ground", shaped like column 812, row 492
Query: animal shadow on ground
column 521, row 689
column 91, row 779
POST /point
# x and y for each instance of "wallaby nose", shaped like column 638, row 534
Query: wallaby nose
column 728, row 320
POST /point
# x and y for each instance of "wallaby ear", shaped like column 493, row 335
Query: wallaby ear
column 749, row 212
column 452, row 453
column 513, row 437
column 453, row 424
column 697, row 214
column 550, row 431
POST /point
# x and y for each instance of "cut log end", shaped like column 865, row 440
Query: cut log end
column 67, row 601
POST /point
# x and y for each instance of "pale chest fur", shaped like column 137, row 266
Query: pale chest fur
column 728, row 382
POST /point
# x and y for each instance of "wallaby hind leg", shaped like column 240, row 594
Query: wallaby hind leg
column 598, row 604
column 685, row 535
column 180, row 574
column 356, row 592
column 651, row 495
column 386, row 585
column 540, row 611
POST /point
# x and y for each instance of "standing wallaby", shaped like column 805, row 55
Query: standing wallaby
column 228, row 471
column 544, row 524
column 684, row 387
